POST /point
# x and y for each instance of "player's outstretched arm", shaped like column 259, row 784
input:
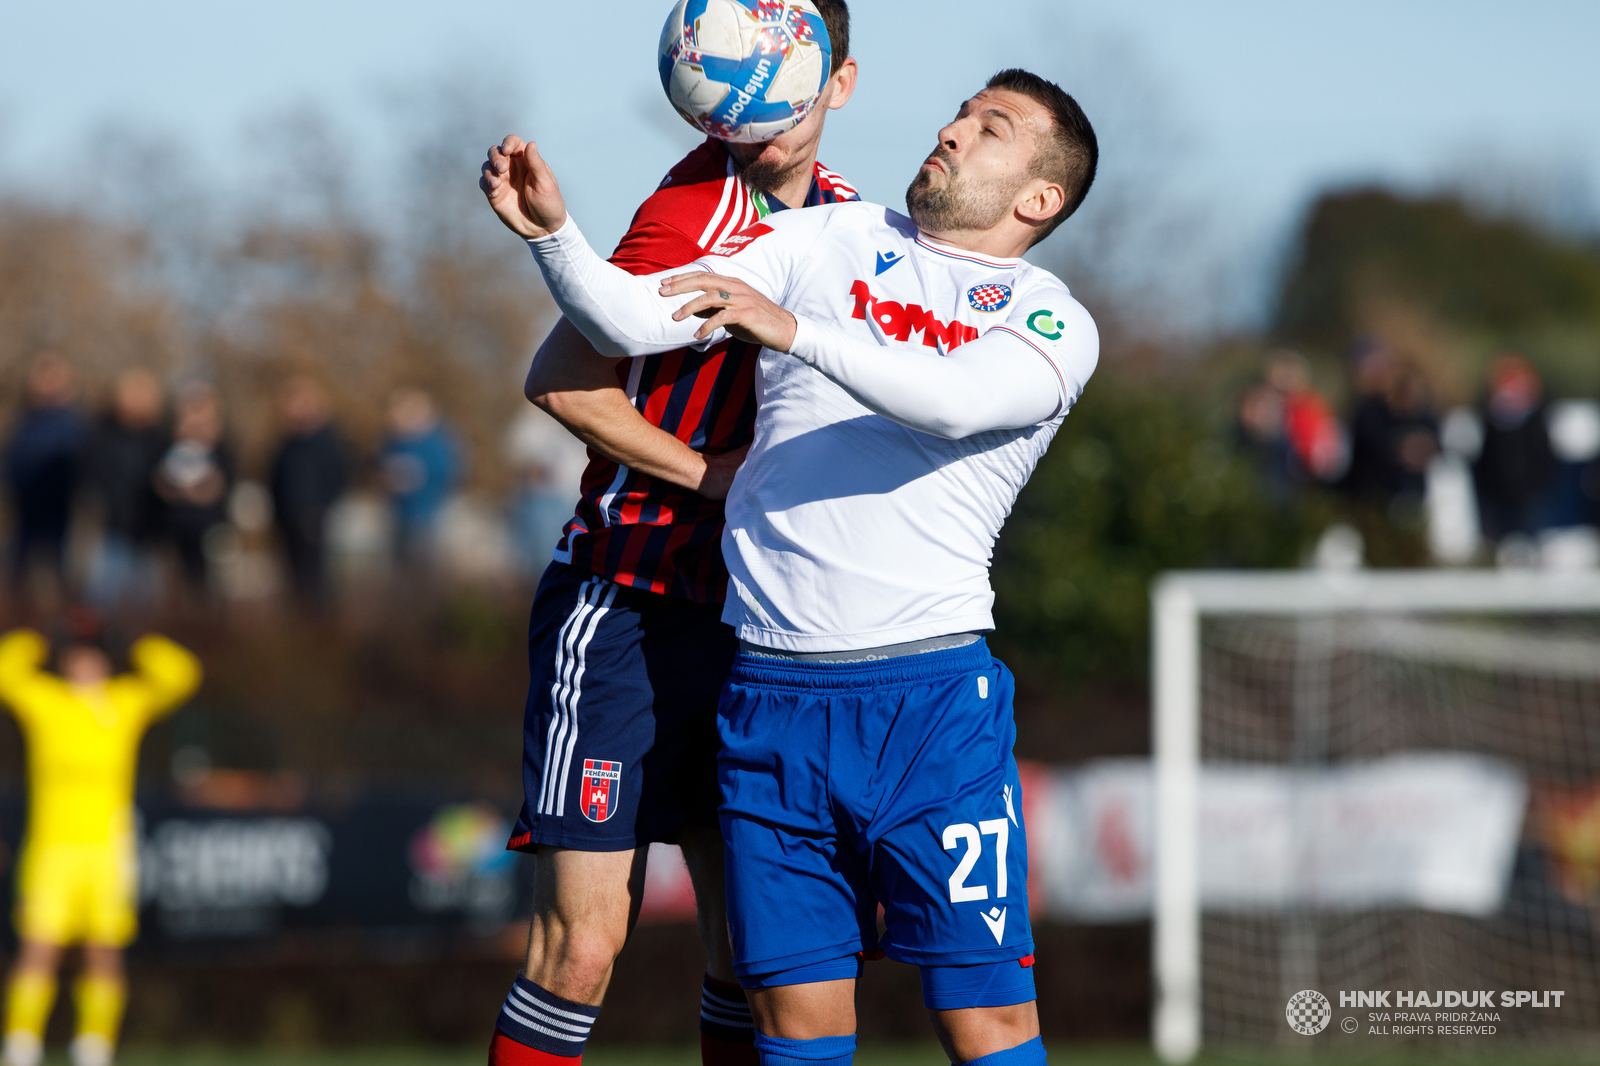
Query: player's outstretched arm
column 1002, row 380
column 578, row 387
column 22, row 653
column 166, row 673
column 620, row 314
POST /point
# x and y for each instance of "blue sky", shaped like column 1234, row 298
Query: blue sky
column 1236, row 111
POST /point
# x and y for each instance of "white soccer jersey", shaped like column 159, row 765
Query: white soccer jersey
column 847, row 529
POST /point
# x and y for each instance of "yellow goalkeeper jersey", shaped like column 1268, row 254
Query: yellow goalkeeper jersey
column 83, row 741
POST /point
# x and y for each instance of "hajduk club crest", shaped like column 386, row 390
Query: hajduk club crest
column 989, row 297
column 601, row 782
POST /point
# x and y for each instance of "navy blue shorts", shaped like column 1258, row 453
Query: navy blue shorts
column 847, row 785
column 619, row 735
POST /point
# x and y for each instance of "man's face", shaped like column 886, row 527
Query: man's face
column 138, row 399
column 767, row 165
column 84, row 664
column 973, row 178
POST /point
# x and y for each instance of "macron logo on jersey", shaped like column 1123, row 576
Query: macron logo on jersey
column 887, row 260
column 737, row 242
column 901, row 320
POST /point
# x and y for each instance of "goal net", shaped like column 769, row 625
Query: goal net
column 1383, row 788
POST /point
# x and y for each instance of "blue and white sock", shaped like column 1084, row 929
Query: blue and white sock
column 544, row 1021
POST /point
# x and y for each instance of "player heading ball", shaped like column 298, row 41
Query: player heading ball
column 627, row 650
column 912, row 372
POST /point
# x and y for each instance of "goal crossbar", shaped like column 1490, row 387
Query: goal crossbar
column 1179, row 601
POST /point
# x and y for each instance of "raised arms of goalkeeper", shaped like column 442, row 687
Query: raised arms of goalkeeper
column 998, row 381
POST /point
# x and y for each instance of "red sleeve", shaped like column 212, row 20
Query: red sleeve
column 652, row 245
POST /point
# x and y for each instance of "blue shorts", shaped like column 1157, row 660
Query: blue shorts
column 619, row 735
column 847, row 785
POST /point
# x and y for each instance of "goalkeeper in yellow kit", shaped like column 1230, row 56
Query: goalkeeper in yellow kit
column 77, row 880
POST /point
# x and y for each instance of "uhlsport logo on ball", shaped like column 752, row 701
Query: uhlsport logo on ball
column 1308, row 1012
column 744, row 70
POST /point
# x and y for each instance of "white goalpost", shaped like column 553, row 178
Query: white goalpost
column 1348, row 770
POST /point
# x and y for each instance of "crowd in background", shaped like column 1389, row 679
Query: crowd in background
column 139, row 502
column 1514, row 478
column 136, row 499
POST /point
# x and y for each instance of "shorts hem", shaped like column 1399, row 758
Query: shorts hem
column 980, row 999
column 760, row 967
column 72, row 940
column 527, row 842
column 1006, row 953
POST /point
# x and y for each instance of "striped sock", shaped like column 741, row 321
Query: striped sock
column 536, row 1026
column 727, row 1032
column 725, row 1012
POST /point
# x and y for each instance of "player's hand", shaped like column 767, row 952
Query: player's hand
column 718, row 478
column 732, row 305
column 522, row 189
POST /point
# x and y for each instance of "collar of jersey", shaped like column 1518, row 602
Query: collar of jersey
column 771, row 205
column 969, row 257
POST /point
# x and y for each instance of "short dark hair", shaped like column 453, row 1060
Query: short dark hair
column 836, row 17
column 1069, row 157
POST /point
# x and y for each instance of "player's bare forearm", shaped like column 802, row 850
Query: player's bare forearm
column 578, row 387
column 605, row 421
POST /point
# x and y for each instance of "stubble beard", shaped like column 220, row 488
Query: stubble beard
column 768, row 176
column 958, row 204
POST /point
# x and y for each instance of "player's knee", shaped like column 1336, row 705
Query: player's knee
column 103, row 962
column 37, row 956
column 575, row 959
column 589, row 958
column 985, row 1010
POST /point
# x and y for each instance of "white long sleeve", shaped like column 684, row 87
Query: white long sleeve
column 999, row 381
column 621, row 314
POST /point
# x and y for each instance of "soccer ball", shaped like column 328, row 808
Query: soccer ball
column 744, row 70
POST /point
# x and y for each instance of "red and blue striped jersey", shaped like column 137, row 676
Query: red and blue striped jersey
column 631, row 528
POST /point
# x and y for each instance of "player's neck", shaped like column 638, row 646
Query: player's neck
column 995, row 243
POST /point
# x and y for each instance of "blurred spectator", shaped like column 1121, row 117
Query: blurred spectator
column 309, row 473
column 549, row 462
column 1290, row 423
column 1394, row 429
column 194, row 478
column 1315, row 437
column 1575, row 441
column 42, row 465
column 1516, row 464
column 1416, row 432
column 1261, row 428
column 123, row 455
column 1371, row 423
column 421, row 466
